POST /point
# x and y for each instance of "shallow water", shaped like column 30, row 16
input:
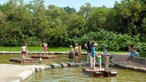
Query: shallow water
column 75, row 74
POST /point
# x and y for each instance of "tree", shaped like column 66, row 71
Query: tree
column 129, row 11
column 57, row 31
column 85, row 10
column 76, row 26
column 69, row 10
column 97, row 18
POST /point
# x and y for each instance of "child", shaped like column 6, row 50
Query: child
column 46, row 48
column 99, row 60
column 93, row 57
column 24, row 51
column 76, row 51
column 130, row 53
column 70, row 53
column 105, row 51
column 135, row 53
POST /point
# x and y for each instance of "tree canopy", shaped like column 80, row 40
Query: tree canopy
column 33, row 23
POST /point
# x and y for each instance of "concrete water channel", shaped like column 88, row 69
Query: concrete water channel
column 75, row 74
column 130, row 72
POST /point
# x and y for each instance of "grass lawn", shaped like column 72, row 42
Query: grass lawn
column 5, row 58
column 52, row 49
column 34, row 48
column 60, row 58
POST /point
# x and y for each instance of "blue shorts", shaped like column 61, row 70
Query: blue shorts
column 94, row 55
column 88, row 51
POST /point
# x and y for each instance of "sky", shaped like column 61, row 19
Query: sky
column 75, row 3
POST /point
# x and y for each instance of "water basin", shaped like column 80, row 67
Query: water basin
column 75, row 74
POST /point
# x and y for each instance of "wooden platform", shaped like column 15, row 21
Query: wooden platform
column 21, row 60
column 99, row 72
column 45, row 56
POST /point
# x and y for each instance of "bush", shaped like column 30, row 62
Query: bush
column 113, row 41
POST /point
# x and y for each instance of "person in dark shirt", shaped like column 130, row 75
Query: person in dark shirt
column 89, row 46
column 70, row 54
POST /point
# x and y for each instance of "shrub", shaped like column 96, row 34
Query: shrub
column 113, row 41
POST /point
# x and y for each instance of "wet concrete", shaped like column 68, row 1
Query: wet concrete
column 121, row 61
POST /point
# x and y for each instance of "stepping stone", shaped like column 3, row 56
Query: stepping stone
column 64, row 65
column 54, row 65
column 72, row 64
column 80, row 64
column 40, row 69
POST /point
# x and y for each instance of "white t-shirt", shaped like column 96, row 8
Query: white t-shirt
column 76, row 48
column 24, row 48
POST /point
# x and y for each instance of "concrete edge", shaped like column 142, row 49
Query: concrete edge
column 25, row 74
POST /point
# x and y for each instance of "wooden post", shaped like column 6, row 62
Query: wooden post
column 40, row 48
column 79, row 54
column 40, row 58
column 106, row 65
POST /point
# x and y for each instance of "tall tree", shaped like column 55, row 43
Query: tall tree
column 76, row 26
column 57, row 31
column 85, row 10
column 39, row 21
column 69, row 10
column 129, row 11
column 97, row 18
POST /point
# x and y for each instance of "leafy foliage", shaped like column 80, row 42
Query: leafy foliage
column 114, row 41
column 33, row 23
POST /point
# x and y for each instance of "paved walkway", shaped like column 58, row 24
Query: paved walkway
column 121, row 61
column 16, row 73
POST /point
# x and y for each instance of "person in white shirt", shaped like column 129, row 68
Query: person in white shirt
column 24, row 51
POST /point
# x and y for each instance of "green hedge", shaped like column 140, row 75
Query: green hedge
column 113, row 41
column 142, row 54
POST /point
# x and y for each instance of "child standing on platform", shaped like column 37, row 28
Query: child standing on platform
column 76, row 51
column 70, row 54
column 104, row 54
column 99, row 60
column 46, row 48
column 105, row 51
column 24, row 51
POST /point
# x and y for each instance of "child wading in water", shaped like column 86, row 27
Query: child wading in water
column 105, row 53
column 70, row 54
column 76, row 51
